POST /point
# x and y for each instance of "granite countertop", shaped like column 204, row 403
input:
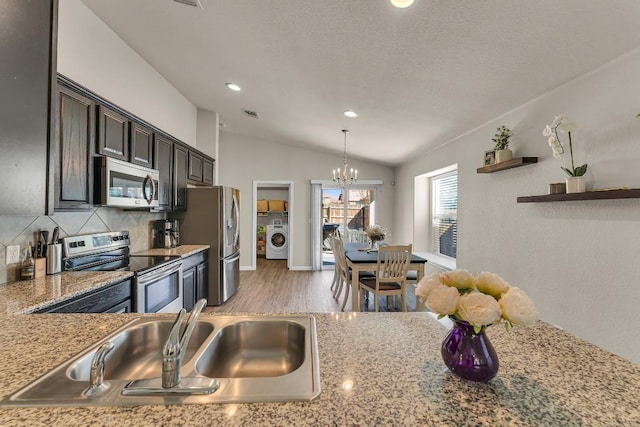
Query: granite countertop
column 27, row 296
column 376, row 369
column 182, row 250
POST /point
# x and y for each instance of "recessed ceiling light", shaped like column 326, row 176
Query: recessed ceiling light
column 234, row 87
column 401, row 4
column 350, row 114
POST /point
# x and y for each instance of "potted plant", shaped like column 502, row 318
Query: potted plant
column 501, row 140
column 562, row 123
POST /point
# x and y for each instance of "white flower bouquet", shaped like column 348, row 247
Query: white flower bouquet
column 376, row 233
column 484, row 300
column 562, row 123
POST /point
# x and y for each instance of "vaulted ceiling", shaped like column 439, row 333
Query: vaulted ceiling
column 418, row 77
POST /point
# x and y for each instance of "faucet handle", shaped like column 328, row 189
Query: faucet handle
column 173, row 343
column 193, row 319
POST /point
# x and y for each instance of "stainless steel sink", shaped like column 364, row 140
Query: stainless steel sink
column 255, row 359
column 136, row 352
column 254, row 349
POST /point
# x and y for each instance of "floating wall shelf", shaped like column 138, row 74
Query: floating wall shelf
column 509, row 164
column 631, row 193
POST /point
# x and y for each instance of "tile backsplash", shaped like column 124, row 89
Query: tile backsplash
column 20, row 230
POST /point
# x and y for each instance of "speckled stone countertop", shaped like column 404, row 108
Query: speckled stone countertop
column 182, row 250
column 27, row 296
column 377, row 369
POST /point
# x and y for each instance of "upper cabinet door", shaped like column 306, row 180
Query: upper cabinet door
column 73, row 151
column 113, row 134
column 142, row 145
column 27, row 87
column 207, row 171
column 195, row 167
column 180, row 167
column 163, row 163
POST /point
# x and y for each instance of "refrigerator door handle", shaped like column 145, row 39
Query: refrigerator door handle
column 230, row 260
column 236, row 219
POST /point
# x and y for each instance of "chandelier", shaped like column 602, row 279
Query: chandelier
column 340, row 176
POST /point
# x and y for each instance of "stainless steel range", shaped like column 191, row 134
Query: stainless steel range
column 157, row 280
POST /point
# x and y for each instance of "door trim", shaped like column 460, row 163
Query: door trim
column 254, row 220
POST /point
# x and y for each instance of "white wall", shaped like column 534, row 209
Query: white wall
column 243, row 160
column 207, row 132
column 579, row 261
column 91, row 54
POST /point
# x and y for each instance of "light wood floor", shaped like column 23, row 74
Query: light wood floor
column 272, row 288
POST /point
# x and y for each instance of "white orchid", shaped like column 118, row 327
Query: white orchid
column 562, row 123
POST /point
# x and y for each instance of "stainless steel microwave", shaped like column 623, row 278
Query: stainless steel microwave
column 124, row 184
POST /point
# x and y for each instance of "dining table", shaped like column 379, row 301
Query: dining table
column 361, row 258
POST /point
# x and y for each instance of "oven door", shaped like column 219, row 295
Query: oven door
column 160, row 290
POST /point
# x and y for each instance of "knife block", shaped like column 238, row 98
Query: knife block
column 40, row 267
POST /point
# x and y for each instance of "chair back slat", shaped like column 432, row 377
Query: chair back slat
column 393, row 262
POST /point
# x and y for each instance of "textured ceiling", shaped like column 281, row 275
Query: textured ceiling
column 418, row 77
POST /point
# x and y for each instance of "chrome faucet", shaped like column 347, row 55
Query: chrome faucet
column 96, row 375
column 175, row 347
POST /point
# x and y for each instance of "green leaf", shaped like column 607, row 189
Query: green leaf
column 440, row 316
column 567, row 171
column 477, row 329
column 580, row 170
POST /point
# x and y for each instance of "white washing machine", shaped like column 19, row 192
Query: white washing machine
column 277, row 241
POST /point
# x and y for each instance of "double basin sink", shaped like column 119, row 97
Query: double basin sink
column 254, row 359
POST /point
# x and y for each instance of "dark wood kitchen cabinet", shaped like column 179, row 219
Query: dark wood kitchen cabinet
column 202, row 280
column 142, row 145
column 195, row 166
column 113, row 134
column 164, row 164
column 115, row 298
column 27, row 109
column 207, row 171
column 180, row 167
column 195, row 279
column 189, row 288
column 73, row 151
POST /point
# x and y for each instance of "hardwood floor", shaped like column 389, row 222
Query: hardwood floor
column 272, row 288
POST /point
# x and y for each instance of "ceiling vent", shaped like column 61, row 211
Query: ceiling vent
column 251, row 114
column 194, row 3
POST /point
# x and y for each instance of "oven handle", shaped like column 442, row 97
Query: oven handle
column 168, row 270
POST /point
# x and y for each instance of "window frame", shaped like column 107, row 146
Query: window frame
column 422, row 234
column 434, row 204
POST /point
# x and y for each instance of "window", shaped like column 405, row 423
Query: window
column 444, row 213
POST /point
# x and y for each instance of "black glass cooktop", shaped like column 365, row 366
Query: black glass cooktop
column 142, row 263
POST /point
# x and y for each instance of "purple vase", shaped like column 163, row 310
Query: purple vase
column 468, row 354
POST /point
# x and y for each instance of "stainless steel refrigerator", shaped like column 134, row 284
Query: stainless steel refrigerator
column 213, row 218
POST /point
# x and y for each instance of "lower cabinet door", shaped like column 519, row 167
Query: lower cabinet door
column 123, row 307
column 202, row 284
column 189, row 288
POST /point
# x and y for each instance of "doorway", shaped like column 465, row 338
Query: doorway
column 272, row 206
column 345, row 213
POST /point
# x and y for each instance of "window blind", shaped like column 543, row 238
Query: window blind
column 444, row 211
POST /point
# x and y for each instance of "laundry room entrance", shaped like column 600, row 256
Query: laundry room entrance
column 273, row 202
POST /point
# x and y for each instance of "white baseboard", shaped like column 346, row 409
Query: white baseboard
column 300, row 267
column 295, row 267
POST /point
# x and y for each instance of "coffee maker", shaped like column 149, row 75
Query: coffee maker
column 167, row 234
